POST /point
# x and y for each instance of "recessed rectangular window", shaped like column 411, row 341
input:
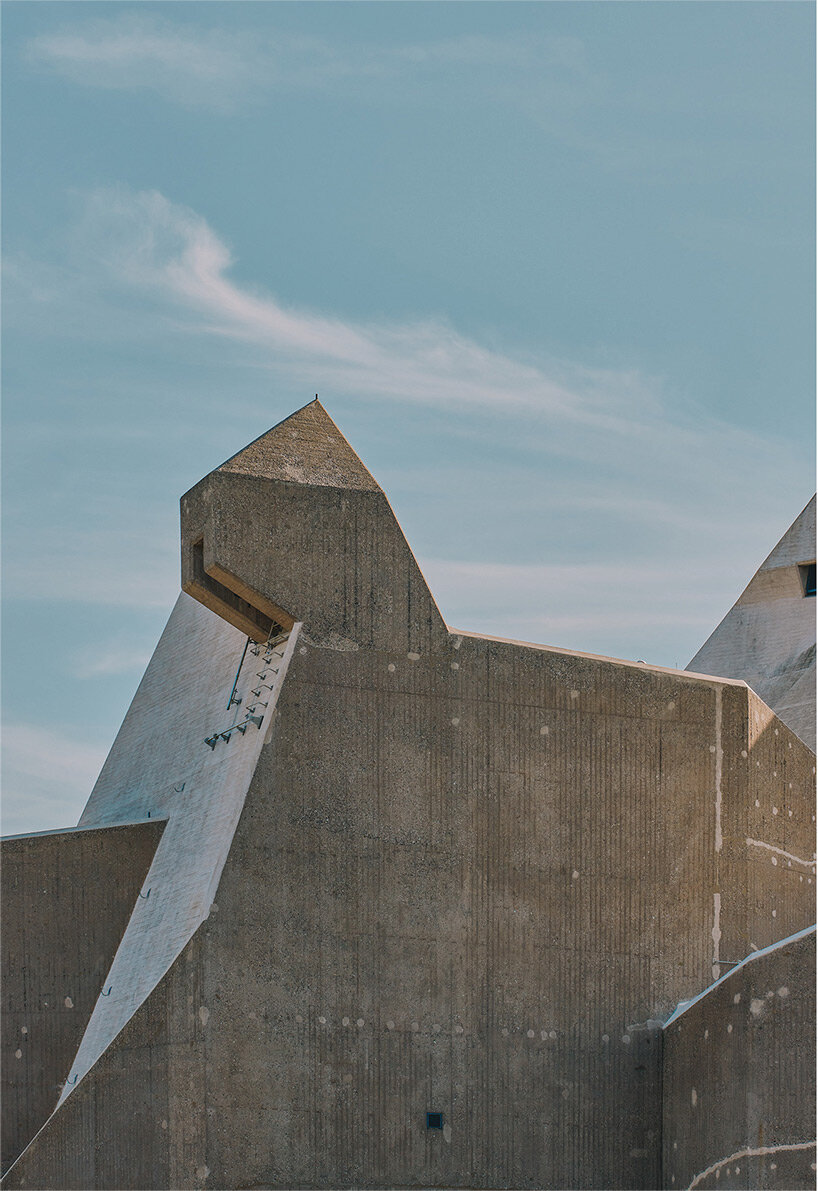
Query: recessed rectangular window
column 434, row 1120
column 806, row 570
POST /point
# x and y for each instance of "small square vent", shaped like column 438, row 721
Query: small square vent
column 434, row 1120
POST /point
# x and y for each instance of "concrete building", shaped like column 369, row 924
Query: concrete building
column 360, row 901
column 768, row 636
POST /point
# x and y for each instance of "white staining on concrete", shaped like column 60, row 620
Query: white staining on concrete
column 543, row 1035
column 783, row 991
column 729, row 1028
column 707, row 1034
column 359, row 1022
column 322, row 1021
column 18, row 1054
column 303, row 649
column 736, row 998
column 391, row 667
column 529, row 1033
column 719, row 751
column 626, row 1039
column 458, row 641
column 694, row 1099
column 504, row 1032
column 552, row 1034
column 202, row 1172
column 744, row 754
column 413, row 657
column 390, row 1025
column 455, row 721
column 757, row 843
column 164, row 1124
column 775, row 862
column 455, row 665
column 756, row 1005
column 776, row 731
column 69, row 1004
column 606, row 1038
column 574, row 694
column 544, row 730
column 299, row 1018
column 775, row 913
column 716, row 934
column 775, row 810
column 574, row 875
column 414, row 1026
column 344, row 1021
column 758, row 803
column 447, row 1133
column 671, row 705
column 458, row 1029
column 23, row 1029
column 436, row 1028
column 747, row 1153
column 204, row 1014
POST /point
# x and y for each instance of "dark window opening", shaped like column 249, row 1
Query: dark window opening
column 807, row 572
column 251, row 620
column 434, row 1120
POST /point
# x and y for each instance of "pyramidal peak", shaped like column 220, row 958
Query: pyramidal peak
column 306, row 448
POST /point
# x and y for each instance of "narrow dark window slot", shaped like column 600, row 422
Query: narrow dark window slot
column 434, row 1120
column 807, row 572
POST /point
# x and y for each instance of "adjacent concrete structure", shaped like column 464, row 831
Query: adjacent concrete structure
column 409, row 877
column 768, row 636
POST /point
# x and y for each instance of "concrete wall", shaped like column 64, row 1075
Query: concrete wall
column 506, row 873
column 768, row 636
column 67, row 897
column 739, row 1078
column 469, row 876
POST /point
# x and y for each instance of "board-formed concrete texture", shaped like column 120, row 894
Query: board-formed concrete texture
column 738, row 1080
column 66, row 900
column 446, row 874
column 768, row 636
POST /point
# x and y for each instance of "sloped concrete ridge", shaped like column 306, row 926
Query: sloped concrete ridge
column 768, row 636
column 421, row 925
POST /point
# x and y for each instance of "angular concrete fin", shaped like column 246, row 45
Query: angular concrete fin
column 306, row 448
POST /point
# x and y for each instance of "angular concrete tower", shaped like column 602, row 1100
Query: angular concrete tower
column 389, row 905
column 768, row 636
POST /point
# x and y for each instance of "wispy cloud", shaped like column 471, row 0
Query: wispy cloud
column 113, row 660
column 97, row 566
column 47, row 777
column 589, row 606
column 218, row 68
column 147, row 241
column 171, row 252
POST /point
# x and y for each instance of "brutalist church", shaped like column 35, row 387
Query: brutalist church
column 359, row 900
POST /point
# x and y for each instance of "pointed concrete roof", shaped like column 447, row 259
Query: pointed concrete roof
column 306, row 448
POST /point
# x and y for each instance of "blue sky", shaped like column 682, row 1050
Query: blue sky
column 549, row 265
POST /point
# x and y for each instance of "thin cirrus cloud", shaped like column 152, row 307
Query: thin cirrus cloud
column 47, row 775
column 220, row 68
column 146, row 242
